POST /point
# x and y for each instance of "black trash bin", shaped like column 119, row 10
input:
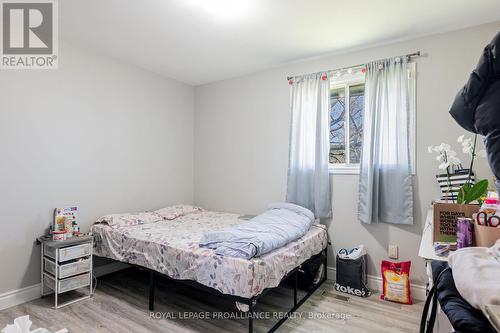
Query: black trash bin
column 351, row 276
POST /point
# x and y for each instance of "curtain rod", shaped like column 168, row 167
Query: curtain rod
column 409, row 55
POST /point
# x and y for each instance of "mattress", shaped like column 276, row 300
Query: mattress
column 171, row 247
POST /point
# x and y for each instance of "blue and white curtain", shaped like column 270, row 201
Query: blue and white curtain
column 308, row 177
column 385, row 183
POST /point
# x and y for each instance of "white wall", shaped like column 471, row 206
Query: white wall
column 241, row 139
column 95, row 133
column 110, row 137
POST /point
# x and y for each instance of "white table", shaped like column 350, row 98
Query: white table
column 493, row 315
column 426, row 251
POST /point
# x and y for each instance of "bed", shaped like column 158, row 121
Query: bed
column 170, row 247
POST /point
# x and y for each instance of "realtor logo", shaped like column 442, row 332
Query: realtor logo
column 29, row 38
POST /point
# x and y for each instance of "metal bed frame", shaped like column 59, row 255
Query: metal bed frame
column 251, row 302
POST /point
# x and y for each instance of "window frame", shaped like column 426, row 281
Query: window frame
column 351, row 80
column 354, row 169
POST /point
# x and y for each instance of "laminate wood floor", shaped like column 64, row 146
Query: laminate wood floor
column 120, row 305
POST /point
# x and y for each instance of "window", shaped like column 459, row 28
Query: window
column 347, row 97
column 347, row 102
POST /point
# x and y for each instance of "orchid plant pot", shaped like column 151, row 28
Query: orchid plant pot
column 450, row 183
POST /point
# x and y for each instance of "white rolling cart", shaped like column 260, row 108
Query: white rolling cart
column 426, row 252
column 65, row 266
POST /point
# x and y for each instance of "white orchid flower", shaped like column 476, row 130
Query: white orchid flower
column 444, row 165
column 467, row 143
column 445, row 147
column 453, row 160
column 467, row 146
column 467, row 149
column 447, row 157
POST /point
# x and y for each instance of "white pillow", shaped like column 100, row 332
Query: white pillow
column 173, row 212
column 116, row 220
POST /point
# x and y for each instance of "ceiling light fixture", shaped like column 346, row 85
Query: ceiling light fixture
column 227, row 9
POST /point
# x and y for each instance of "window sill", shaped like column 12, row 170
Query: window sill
column 343, row 170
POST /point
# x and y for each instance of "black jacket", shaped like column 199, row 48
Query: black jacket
column 463, row 317
column 477, row 106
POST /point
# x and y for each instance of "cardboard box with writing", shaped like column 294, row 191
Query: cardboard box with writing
column 445, row 216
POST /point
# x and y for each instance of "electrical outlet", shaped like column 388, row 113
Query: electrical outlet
column 393, row 251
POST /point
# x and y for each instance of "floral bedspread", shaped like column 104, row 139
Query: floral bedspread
column 171, row 248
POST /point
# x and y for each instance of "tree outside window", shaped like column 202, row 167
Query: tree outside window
column 346, row 123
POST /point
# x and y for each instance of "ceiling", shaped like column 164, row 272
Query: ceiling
column 202, row 41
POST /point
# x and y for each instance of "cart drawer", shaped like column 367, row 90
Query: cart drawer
column 69, row 253
column 69, row 269
column 67, row 284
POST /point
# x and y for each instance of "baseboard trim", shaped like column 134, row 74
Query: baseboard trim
column 26, row 294
column 19, row 296
column 418, row 292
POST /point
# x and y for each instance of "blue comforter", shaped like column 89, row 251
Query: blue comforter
column 278, row 226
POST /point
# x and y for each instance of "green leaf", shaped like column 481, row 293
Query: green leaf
column 462, row 193
column 477, row 191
